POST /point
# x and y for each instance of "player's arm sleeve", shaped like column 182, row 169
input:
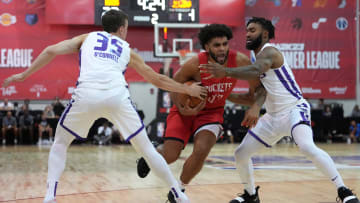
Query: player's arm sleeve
column 159, row 80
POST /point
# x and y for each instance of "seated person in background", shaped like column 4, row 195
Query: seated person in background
column 9, row 124
column 6, row 105
column 26, row 122
column 356, row 111
column 321, row 104
column 26, row 105
column 58, row 107
column 44, row 126
column 104, row 134
column 354, row 131
column 327, row 111
column 48, row 112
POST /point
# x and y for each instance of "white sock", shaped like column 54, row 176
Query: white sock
column 157, row 163
column 57, row 159
column 244, row 165
column 303, row 137
column 51, row 190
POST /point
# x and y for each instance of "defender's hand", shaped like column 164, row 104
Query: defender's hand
column 195, row 90
column 14, row 78
column 251, row 117
column 214, row 69
column 186, row 110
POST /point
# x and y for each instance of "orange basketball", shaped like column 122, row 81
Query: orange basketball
column 194, row 101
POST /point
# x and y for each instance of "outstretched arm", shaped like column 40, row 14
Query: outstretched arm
column 46, row 56
column 248, row 98
column 162, row 81
column 252, row 114
column 268, row 58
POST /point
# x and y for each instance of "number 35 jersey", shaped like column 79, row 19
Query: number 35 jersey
column 103, row 59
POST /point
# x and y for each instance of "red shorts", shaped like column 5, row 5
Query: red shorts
column 179, row 127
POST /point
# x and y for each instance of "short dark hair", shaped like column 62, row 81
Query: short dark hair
column 214, row 30
column 265, row 24
column 113, row 19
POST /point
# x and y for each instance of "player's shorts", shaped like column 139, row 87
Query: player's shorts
column 181, row 128
column 88, row 105
column 272, row 127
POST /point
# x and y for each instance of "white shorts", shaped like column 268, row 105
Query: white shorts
column 216, row 129
column 88, row 105
column 272, row 127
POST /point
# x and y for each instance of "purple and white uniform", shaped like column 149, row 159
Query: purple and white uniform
column 285, row 105
column 101, row 88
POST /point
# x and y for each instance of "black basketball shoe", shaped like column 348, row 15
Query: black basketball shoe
column 143, row 168
column 346, row 196
column 247, row 198
column 171, row 197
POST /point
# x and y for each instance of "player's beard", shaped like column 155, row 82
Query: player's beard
column 213, row 56
column 254, row 44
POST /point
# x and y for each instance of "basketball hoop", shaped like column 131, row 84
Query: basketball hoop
column 184, row 55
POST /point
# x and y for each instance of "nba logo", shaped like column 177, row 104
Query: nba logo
column 31, row 19
column 160, row 129
column 341, row 23
column 166, row 100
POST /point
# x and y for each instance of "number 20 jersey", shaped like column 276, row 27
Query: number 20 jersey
column 103, row 59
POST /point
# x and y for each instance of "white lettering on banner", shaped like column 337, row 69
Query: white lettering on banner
column 298, row 59
column 38, row 89
column 240, row 89
column 15, row 58
column 295, row 59
column 310, row 90
column 8, row 91
column 323, row 59
column 338, row 90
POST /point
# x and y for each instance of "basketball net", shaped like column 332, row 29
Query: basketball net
column 184, row 55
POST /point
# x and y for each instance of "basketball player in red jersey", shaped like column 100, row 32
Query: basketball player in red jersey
column 203, row 121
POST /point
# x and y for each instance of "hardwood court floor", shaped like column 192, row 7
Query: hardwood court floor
column 108, row 174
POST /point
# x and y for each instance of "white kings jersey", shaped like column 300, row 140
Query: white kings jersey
column 282, row 90
column 103, row 61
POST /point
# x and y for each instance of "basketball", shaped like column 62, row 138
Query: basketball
column 194, row 101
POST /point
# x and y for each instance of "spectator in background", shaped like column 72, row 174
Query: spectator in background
column 48, row 112
column 58, row 107
column 356, row 111
column 327, row 111
column 26, row 122
column 21, row 110
column 354, row 131
column 104, row 134
column 327, row 119
column 321, row 104
column 9, row 124
column 44, row 126
column 6, row 105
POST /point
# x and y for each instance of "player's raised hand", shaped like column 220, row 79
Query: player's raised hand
column 214, row 69
column 251, row 117
column 196, row 90
column 13, row 78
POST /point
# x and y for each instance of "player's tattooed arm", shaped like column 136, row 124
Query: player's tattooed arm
column 260, row 95
column 248, row 98
column 252, row 114
column 268, row 58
